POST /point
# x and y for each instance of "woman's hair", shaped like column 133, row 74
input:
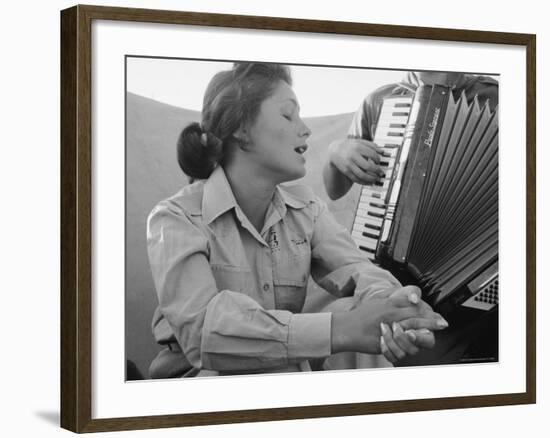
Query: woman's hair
column 232, row 99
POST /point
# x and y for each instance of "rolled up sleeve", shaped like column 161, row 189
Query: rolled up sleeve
column 239, row 334
column 361, row 125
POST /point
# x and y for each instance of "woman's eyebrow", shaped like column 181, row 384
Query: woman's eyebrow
column 294, row 101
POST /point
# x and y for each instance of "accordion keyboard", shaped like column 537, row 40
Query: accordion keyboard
column 372, row 208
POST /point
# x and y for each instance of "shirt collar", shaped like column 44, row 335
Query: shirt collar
column 217, row 196
column 285, row 197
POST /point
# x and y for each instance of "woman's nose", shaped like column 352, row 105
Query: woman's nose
column 305, row 132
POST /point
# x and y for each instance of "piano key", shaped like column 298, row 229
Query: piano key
column 391, row 126
column 374, row 202
column 371, row 234
column 392, row 123
column 382, row 185
column 390, row 154
column 369, row 253
column 376, row 214
column 371, row 196
column 367, row 232
column 373, row 205
column 370, row 222
column 375, row 195
column 386, row 146
column 389, row 118
column 364, row 241
column 398, row 99
column 390, row 133
column 387, row 161
column 389, row 141
column 370, row 214
column 395, row 115
column 370, row 208
column 399, row 123
column 393, row 111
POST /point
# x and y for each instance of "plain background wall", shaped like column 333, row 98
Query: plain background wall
column 29, row 219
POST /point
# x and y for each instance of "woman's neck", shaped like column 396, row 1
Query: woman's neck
column 252, row 192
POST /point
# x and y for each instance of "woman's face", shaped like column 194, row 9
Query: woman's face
column 278, row 136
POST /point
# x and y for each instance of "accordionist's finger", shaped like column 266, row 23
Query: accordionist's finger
column 360, row 176
column 368, row 166
column 372, row 144
column 368, row 150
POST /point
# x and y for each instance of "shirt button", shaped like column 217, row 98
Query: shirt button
column 266, row 287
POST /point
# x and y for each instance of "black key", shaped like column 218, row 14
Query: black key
column 364, row 248
column 372, row 236
column 374, row 227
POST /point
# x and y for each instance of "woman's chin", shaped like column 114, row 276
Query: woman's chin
column 297, row 173
column 287, row 173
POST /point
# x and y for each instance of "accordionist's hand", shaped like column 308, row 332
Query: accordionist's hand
column 357, row 159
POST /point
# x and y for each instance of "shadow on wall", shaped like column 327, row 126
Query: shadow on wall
column 152, row 174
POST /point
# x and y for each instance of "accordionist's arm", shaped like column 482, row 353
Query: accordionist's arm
column 353, row 159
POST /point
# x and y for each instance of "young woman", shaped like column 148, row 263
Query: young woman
column 231, row 254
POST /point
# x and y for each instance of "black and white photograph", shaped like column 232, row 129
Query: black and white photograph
column 285, row 218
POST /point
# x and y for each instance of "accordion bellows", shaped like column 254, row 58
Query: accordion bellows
column 435, row 214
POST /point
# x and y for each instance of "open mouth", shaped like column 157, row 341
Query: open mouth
column 301, row 149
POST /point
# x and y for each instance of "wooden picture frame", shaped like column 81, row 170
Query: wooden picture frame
column 76, row 217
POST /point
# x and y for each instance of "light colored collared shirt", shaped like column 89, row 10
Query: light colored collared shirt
column 231, row 296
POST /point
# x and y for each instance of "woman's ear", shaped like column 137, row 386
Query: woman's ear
column 242, row 137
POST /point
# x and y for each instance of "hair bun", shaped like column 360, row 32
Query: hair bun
column 198, row 152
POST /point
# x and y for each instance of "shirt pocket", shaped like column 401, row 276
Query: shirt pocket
column 291, row 273
column 233, row 278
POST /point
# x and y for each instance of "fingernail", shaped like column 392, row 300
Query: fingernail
column 425, row 331
column 383, row 344
column 413, row 298
column 442, row 323
column 411, row 335
column 383, row 328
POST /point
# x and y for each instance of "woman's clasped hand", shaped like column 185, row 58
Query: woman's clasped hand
column 395, row 323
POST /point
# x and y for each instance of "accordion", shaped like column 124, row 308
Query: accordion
column 434, row 215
